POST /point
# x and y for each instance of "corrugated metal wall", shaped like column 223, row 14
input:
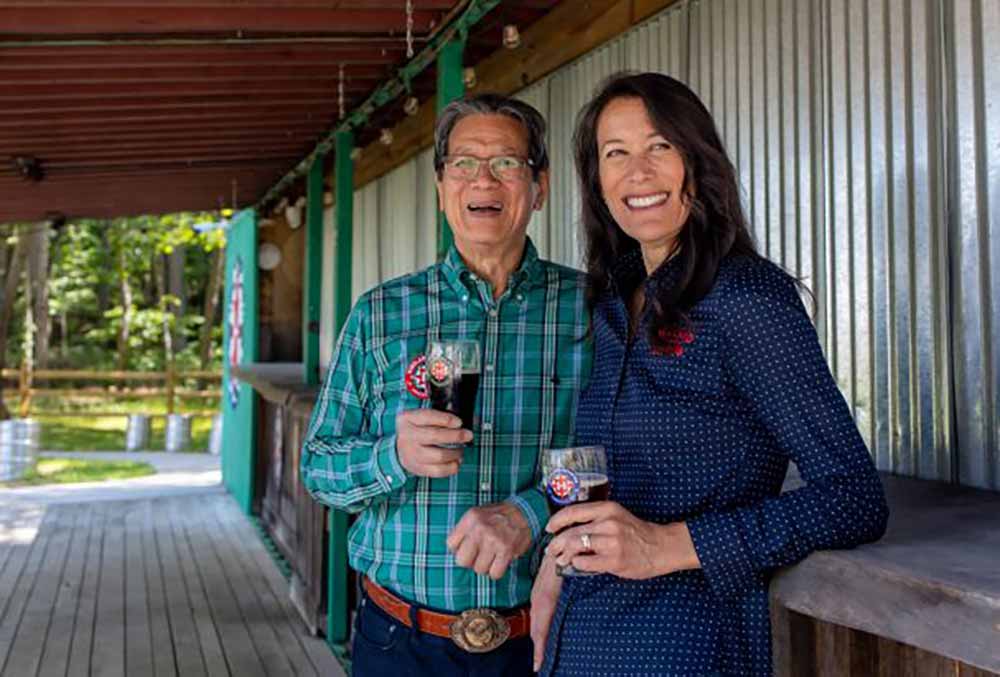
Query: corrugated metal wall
column 867, row 138
column 972, row 111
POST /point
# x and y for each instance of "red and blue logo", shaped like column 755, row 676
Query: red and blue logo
column 563, row 486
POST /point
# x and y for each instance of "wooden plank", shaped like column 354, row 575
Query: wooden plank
column 265, row 607
column 161, row 638
column 308, row 654
column 17, row 583
column 57, row 643
column 833, row 650
column 143, row 19
column 85, row 618
column 208, row 634
column 99, row 375
column 238, row 646
column 32, row 628
column 222, row 559
column 164, row 563
column 864, row 653
column 107, row 656
column 138, row 630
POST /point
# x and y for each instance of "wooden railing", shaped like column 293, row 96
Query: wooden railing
column 26, row 379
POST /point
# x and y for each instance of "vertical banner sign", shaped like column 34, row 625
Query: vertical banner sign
column 240, row 327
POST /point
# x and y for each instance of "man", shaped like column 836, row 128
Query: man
column 449, row 516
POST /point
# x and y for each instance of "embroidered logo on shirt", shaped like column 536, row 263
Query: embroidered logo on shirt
column 416, row 378
column 672, row 341
column 562, row 486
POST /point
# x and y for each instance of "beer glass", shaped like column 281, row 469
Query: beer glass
column 453, row 378
column 574, row 475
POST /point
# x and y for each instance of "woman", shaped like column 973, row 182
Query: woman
column 708, row 380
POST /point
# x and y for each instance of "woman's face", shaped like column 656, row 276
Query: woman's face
column 642, row 175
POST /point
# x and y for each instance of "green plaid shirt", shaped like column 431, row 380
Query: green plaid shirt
column 536, row 355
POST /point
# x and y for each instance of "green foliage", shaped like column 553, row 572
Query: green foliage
column 89, row 259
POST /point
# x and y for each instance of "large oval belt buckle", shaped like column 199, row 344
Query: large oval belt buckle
column 480, row 630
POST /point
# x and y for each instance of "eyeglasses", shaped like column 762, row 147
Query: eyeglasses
column 502, row 167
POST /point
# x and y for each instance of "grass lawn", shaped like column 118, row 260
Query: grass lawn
column 63, row 470
column 76, row 431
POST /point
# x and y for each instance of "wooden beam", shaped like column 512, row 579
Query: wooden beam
column 25, row 96
column 267, row 117
column 67, row 139
column 140, row 19
column 122, row 106
column 129, row 57
column 145, row 75
column 570, row 30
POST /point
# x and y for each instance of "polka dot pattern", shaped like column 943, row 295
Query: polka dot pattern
column 705, row 436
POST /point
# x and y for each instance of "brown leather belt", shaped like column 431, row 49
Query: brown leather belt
column 475, row 630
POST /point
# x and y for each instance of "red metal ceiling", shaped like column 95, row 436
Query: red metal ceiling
column 166, row 105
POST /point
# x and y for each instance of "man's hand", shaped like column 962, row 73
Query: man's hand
column 419, row 436
column 489, row 537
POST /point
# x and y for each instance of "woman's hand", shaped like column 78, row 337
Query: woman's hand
column 620, row 543
column 544, row 595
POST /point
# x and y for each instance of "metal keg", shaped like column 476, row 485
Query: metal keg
column 178, row 434
column 137, row 432
column 8, row 449
column 29, row 439
column 215, row 436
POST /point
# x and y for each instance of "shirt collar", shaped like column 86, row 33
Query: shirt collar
column 530, row 271
column 630, row 270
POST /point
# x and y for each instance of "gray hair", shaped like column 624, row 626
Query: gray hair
column 493, row 104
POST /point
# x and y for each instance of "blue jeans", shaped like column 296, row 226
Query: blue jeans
column 384, row 647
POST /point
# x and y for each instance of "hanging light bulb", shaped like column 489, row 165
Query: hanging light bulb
column 511, row 36
column 469, row 77
column 385, row 136
column 411, row 106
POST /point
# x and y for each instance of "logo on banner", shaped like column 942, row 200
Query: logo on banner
column 236, row 305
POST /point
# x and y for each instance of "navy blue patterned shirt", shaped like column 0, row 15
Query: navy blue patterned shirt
column 702, row 431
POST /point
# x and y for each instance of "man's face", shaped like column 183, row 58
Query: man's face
column 485, row 211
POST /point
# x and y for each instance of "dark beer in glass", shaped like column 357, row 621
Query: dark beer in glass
column 574, row 475
column 453, row 378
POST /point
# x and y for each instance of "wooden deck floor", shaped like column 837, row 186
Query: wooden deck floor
column 163, row 586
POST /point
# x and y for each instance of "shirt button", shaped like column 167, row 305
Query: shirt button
column 520, row 297
column 487, row 426
column 493, row 312
column 388, row 478
column 485, row 486
column 465, row 298
column 489, row 368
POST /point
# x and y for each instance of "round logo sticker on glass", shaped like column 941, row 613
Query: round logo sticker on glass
column 440, row 371
column 563, row 486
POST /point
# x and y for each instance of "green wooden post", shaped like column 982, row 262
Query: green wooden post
column 450, row 86
column 338, row 614
column 239, row 401
column 312, row 280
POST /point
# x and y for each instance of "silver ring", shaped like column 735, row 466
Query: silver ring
column 585, row 539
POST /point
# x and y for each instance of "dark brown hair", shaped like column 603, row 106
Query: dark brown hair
column 716, row 226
